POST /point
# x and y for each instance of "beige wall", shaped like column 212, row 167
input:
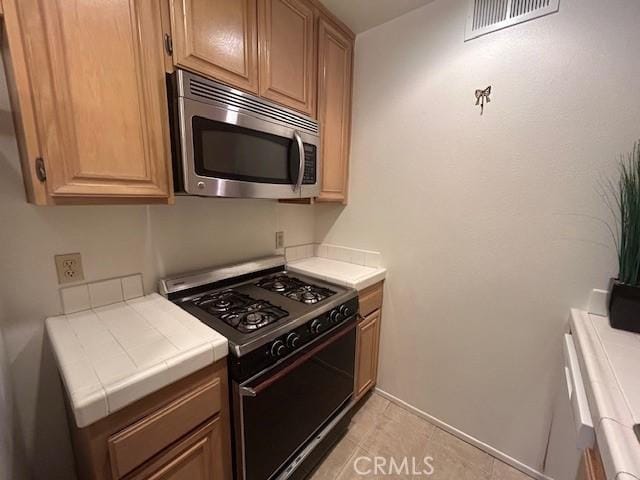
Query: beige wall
column 157, row 241
column 12, row 462
column 481, row 219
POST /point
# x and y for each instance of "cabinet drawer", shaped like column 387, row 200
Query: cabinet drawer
column 139, row 442
column 370, row 299
column 197, row 457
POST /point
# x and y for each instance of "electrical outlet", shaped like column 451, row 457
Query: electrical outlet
column 279, row 240
column 69, row 268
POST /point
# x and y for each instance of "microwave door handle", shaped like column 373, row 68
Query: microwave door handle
column 298, row 138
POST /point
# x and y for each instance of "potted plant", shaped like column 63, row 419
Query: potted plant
column 624, row 300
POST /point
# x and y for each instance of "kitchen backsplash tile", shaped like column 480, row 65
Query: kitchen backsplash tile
column 366, row 258
column 101, row 293
column 75, row 299
column 299, row 252
column 132, row 287
column 105, row 292
column 356, row 256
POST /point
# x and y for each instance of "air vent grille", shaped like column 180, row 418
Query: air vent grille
column 486, row 16
column 219, row 93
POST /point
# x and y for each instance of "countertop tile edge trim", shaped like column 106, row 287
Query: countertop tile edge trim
column 92, row 404
column 361, row 282
column 614, row 463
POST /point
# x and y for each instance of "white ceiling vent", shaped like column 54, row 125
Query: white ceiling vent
column 487, row 16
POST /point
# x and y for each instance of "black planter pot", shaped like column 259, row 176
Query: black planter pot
column 624, row 306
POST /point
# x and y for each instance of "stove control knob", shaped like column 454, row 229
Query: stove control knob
column 335, row 316
column 293, row 340
column 345, row 310
column 316, row 325
column 278, row 348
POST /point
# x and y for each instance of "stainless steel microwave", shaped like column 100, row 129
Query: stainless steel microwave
column 228, row 143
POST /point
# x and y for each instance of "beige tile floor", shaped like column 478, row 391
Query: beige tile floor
column 382, row 429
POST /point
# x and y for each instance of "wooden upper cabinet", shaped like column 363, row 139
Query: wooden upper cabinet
column 287, row 57
column 217, row 38
column 335, row 59
column 96, row 73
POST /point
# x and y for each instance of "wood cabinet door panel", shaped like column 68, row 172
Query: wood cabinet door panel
column 370, row 299
column 591, row 467
column 287, row 53
column 335, row 53
column 217, row 38
column 135, row 444
column 97, row 73
column 198, row 457
column 367, row 344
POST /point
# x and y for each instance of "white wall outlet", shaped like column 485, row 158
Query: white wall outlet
column 69, row 268
column 279, row 240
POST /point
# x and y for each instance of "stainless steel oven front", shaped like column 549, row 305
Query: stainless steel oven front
column 228, row 143
column 279, row 413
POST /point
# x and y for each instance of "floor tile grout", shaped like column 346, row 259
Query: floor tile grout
column 372, row 411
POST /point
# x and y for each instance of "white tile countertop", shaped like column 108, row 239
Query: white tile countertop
column 609, row 361
column 110, row 356
column 339, row 272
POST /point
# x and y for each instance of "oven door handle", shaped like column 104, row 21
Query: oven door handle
column 247, row 392
column 301, row 167
column 255, row 390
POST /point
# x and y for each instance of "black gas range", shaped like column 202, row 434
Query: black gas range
column 291, row 363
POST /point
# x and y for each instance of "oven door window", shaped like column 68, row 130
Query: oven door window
column 288, row 411
column 231, row 152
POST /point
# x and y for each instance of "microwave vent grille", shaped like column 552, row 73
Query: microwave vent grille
column 226, row 96
column 486, row 16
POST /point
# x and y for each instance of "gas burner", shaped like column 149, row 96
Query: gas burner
column 221, row 302
column 295, row 289
column 308, row 295
column 253, row 316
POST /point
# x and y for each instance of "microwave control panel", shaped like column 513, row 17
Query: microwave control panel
column 310, row 156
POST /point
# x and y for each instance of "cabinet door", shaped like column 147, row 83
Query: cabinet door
column 96, row 73
column 217, row 38
column 286, row 52
column 591, row 467
column 198, row 457
column 335, row 53
column 367, row 344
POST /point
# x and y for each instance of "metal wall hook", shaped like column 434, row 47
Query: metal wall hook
column 482, row 96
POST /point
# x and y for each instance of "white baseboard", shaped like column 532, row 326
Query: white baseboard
column 467, row 438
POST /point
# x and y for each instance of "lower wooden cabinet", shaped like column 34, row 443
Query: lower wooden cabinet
column 591, row 467
column 181, row 432
column 197, row 457
column 368, row 339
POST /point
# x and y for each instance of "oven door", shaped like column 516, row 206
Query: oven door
column 228, row 153
column 279, row 411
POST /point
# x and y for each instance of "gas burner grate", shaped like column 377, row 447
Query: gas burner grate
column 253, row 316
column 295, row 289
column 242, row 312
column 220, row 302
